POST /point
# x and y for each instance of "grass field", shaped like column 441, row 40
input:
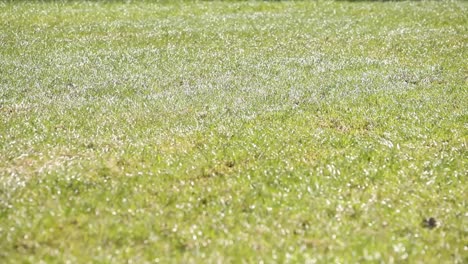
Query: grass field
column 216, row 132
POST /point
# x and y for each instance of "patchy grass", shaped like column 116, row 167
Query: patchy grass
column 233, row 131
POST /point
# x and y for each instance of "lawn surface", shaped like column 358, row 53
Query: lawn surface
column 216, row 132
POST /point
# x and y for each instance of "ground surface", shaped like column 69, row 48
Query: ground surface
column 227, row 131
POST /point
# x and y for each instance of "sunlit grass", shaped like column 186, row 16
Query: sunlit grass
column 233, row 131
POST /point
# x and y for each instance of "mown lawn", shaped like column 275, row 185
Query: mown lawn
column 216, row 132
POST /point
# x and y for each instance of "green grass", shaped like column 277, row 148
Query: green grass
column 217, row 132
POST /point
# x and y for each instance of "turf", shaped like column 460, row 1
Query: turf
column 215, row 132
